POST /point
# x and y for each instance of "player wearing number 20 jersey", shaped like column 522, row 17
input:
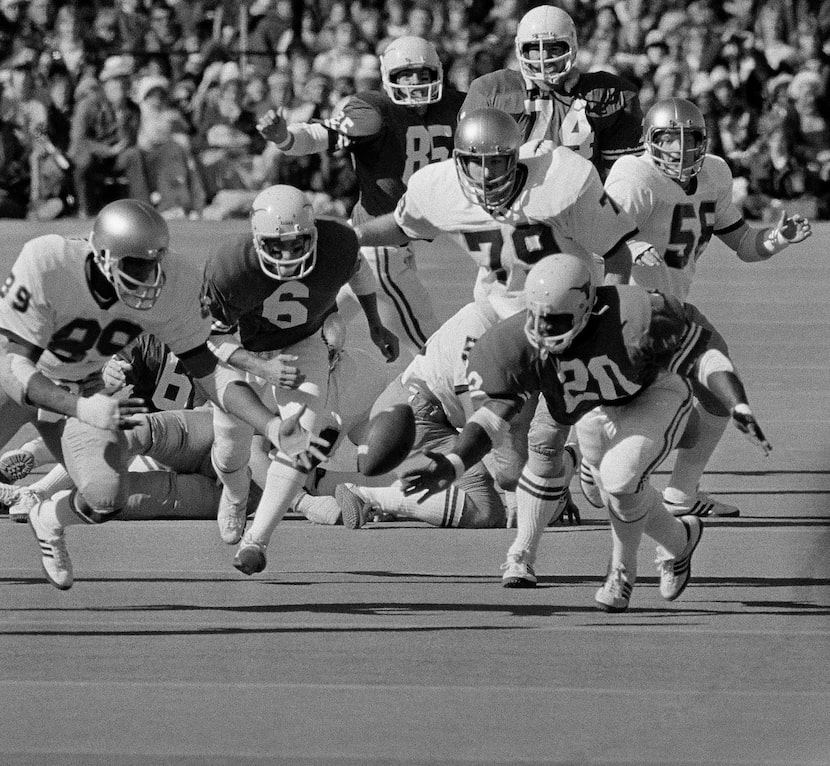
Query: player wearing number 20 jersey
column 558, row 205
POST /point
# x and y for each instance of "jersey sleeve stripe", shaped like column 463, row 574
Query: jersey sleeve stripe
column 694, row 343
column 733, row 227
column 631, row 234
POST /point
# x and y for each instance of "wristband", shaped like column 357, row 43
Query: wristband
column 775, row 241
column 457, row 463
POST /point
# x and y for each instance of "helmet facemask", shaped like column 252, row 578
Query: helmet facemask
column 486, row 179
column 683, row 161
column 427, row 90
column 408, row 56
column 138, row 279
column 287, row 254
column 553, row 62
column 553, row 332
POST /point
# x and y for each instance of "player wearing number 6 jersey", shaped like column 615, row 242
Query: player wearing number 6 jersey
column 680, row 197
column 389, row 135
column 67, row 306
column 272, row 293
column 582, row 348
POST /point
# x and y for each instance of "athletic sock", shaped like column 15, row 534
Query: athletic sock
column 443, row 509
column 690, row 462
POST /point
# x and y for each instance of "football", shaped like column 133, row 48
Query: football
column 388, row 442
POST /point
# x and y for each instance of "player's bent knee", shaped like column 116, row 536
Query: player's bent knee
column 629, row 507
column 97, row 514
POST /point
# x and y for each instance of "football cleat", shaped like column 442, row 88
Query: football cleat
column 250, row 558
column 675, row 573
column 589, row 487
column 354, row 509
column 54, row 555
column 701, row 505
column 231, row 518
column 615, row 592
column 517, row 572
column 26, row 500
column 9, row 494
column 15, row 465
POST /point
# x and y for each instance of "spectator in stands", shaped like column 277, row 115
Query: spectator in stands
column 779, row 177
column 265, row 39
column 69, row 43
column 11, row 23
column 132, row 24
column 161, row 170
column 15, row 178
column 165, row 36
column 104, row 124
column 737, row 121
column 345, row 55
column 106, row 39
column 52, row 189
column 37, row 24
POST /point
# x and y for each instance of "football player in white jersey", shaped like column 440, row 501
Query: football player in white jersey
column 434, row 384
column 679, row 196
column 508, row 213
column 67, row 306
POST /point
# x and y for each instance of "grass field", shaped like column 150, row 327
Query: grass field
column 395, row 644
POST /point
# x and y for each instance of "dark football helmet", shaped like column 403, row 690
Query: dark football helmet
column 129, row 241
column 674, row 133
column 486, row 156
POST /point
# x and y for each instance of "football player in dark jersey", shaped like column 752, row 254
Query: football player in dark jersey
column 389, row 135
column 273, row 293
column 597, row 114
column 581, row 347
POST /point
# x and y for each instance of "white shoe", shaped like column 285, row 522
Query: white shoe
column 9, row 494
column 355, row 510
column 231, row 518
column 701, row 505
column 26, row 500
column 57, row 566
column 518, row 573
column 615, row 592
column 675, row 573
column 16, row 465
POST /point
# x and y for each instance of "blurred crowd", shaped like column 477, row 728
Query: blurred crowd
column 159, row 99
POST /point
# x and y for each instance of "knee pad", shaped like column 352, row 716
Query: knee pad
column 630, row 507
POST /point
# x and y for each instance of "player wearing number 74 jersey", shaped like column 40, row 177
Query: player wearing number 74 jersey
column 679, row 196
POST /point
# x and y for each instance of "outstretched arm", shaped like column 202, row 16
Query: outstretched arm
column 754, row 245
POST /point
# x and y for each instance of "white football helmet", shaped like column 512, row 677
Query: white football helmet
column 486, row 154
column 539, row 30
column 129, row 241
column 412, row 53
column 680, row 122
column 559, row 294
column 285, row 237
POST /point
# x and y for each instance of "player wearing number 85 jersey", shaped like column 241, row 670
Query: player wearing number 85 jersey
column 390, row 135
column 679, row 196
column 70, row 304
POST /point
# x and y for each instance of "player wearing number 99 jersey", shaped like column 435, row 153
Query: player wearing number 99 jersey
column 67, row 306
column 679, row 196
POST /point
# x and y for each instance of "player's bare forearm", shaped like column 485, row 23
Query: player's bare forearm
column 386, row 341
column 382, row 231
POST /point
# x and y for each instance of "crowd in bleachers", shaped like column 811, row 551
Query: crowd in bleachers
column 159, row 99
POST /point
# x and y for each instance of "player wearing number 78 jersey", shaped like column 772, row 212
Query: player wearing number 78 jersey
column 509, row 213
column 679, row 196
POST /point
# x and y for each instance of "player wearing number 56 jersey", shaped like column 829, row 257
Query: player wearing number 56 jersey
column 680, row 196
column 276, row 289
column 390, row 135
column 70, row 304
column 596, row 114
